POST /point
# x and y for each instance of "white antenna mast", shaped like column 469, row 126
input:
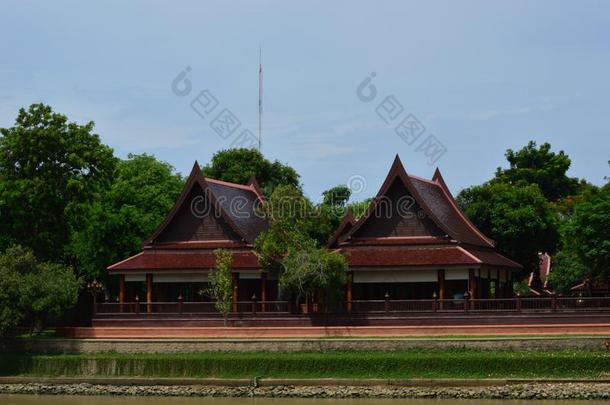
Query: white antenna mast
column 260, row 97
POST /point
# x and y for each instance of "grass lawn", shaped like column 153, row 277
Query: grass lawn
column 416, row 363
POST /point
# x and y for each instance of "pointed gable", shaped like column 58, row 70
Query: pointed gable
column 197, row 219
column 209, row 210
column 409, row 206
column 397, row 214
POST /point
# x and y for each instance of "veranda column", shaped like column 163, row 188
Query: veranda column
column 348, row 294
column 149, row 281
column 264, row 291
column 472, row 284
column 509, row 284
column 440, row 276
column 121, row 291
column 235, row 282
column 500, row 285
column 486, row 286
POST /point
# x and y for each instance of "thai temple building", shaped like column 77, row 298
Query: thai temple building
column 413, row 242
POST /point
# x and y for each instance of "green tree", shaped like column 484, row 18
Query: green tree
column 331, row 211
column 336, row 196
column 521, row 287
column 565, row 205
column 567, row 271
column 289, row 248
column 238, row 165
column 359, row 207
column 31, row 291
column 586, row 242
column 568, row 268
column 517, row 217
column 221, row 283
column 538, row 165
column 314, row 273
column 47, row 165
column 142, row 193
column 292, row 221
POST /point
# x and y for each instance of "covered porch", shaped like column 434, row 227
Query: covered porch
column 370, row 283
column 373, row 296
column 425, row 288
column 170, row 290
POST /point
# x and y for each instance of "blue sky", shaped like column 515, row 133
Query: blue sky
column 480, row 76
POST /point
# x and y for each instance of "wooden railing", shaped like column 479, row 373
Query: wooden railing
column 387, row 306
column 202, row 308
column 519, row 304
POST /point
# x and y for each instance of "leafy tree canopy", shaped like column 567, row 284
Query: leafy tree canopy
column 565, row 205
column 336, row 196
column 567, row 270
column 359, row 207
column 113, row 227
column 47, row 165
column 586, row 240
column 31, row 291
column 330, row 212
column 291, row 219
column 290, row 246
column 538, row 165
column 536, row 224
column 518, row 217
column 308, row 270
column 239, row 165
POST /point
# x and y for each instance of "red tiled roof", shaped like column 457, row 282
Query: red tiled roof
column 198, row 244
column 493, row 258
column 436, row 256
column 168, row 260
column 538, row 281
column 441, row 204
column 398, row 240
column 545, row 267
column 408, row 257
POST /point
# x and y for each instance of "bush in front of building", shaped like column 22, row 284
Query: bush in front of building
column 31, row 292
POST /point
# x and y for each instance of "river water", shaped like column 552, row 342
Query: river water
column 117, row 400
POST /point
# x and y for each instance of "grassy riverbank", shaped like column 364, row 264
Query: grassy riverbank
column 455, row 363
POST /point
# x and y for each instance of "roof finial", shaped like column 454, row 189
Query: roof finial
column 196, row 167
column 397, row 161
column 437, row 175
